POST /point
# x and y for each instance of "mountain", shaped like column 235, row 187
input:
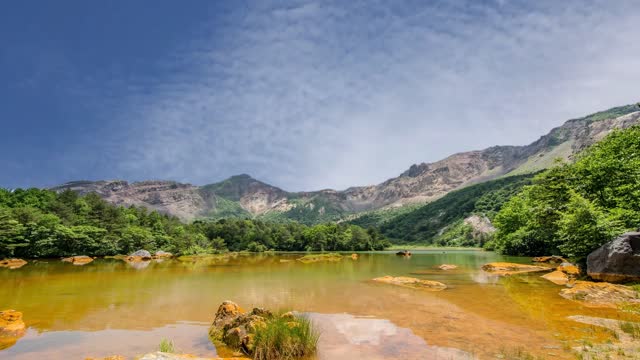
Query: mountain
column 244, row 196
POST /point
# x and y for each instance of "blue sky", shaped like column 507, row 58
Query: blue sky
column 301, row 94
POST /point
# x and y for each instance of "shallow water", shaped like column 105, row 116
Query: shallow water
column 109, row 307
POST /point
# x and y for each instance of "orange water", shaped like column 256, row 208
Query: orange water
column 109, row 307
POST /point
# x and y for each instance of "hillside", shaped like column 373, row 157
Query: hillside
column 242, row 195
column 433, row 220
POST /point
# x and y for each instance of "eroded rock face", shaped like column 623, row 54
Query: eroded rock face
column 505, row 269
column 600, row 294
column 617, row 260
column 412, row 282
column 12, row 328
column 12, row 263
column 78, row 260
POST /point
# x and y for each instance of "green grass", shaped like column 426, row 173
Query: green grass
column 166, row 346
column 285, row 337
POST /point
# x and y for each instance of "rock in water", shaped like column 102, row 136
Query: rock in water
column 162, row 254
column 600, row 294
column 12, row 328
column 553, row 259
column 12, row 263
column 617, row 260
column 143, row 254
column 404, row 253
column 78, row 260
column 412, row 282
column 505, row 269
column 236, row 328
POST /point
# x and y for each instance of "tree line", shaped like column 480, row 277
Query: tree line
column 41, row 223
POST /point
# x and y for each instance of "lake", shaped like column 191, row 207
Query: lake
column 110, row 307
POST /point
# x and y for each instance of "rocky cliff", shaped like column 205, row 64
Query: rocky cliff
column 244, row 196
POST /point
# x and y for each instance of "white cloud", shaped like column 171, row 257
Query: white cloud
column 334, row 94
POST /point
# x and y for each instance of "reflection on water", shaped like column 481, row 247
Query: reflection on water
column 108, row 307
column 346, row 337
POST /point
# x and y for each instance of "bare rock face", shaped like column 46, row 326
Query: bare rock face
column 617, row 260
column 420, row 183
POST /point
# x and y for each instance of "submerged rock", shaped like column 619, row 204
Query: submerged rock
column 617, row 260
column 354, row 256
column 78, row 260
column 505, row 268
column 412, row 282
column 601, row 294
column 557, row 277
column 404, row 253
column 312, row 258
column 12, row 263
column 447, row 267
column 12, row 328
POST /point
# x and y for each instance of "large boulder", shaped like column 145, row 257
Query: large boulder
column 617, row 260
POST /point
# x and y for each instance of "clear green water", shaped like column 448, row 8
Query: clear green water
column 109, row 307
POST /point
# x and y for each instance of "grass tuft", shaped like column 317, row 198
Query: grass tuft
column 284, row 338
column 631, row 328
column 166, row 346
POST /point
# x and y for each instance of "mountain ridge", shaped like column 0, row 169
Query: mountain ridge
column 242, row 195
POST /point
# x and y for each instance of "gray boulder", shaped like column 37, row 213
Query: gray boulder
column 617, row 260
column 144, row 254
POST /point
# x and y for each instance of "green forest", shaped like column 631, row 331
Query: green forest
column 424, row 224
column 573, row 208
column 41, row 223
